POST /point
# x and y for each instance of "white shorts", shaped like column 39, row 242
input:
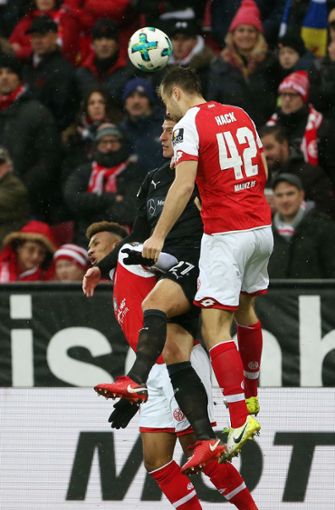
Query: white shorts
column 161, row 412
column 233, row 263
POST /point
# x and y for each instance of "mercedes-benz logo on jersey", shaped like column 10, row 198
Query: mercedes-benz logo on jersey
column 151, row 207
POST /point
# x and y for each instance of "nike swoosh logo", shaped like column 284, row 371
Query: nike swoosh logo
column 238, row 439
column 213, row 447
column 135, row 390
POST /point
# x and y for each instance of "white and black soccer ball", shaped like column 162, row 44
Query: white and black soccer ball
column 149, row 49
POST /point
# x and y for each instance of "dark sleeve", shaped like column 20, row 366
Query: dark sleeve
column 141, row 230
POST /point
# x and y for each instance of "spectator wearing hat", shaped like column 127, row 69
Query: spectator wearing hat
column 223, row 12
column 142, row 124
column 28, row 131
column 281, row 158
column 106, row 187
column 293, row 55
column 71, row 263
column 189, row 48
column 121, row 12
column 27, row 254
column 67, row 23
column 309, row 133
column 106, row 65
column 14, row 201
column 303, row 239
column 245, row 74
column 50, row 76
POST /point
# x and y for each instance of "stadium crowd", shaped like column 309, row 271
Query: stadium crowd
column 80, row 126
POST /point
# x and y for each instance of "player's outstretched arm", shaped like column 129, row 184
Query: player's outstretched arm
column 91, row 280
column 176, row 200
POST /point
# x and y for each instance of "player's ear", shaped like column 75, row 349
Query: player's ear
column 176, row 93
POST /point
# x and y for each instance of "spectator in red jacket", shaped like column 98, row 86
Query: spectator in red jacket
column 27, row 254
column 69, row 28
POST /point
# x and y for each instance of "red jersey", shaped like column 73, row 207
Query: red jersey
column 131, row 285
column 231, row 176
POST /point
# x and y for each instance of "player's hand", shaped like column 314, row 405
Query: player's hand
column 91, row 280
column 152, row 247
column 123, row 412
column 136, row 257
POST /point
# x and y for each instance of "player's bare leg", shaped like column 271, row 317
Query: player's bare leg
column 250, row 343
column 228, row 368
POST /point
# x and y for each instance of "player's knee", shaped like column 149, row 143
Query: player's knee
column 155, row 303
column 214, row 333
column 175, row 354
column 152, row 463
column 246, row 314
column 152, row 303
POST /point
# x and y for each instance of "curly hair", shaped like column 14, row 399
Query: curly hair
column 106, row 226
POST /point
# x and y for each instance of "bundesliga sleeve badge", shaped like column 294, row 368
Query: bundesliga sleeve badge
column 177, row 136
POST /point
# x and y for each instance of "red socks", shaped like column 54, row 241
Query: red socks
column 228, row 368
column 250, row 344
column 180, row 491
column 176, row 486
column 230, row 484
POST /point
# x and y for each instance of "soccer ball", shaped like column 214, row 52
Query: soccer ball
column 149, row 49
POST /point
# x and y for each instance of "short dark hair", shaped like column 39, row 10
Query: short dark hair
column 183, row 77
column 106, row 226
column 277, row 131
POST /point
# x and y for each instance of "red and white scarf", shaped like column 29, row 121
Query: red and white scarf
column 103, row 179
column 7, row 100
column 309, row 143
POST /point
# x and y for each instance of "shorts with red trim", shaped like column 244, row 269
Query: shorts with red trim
column 161, row 412
column 232, row 263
